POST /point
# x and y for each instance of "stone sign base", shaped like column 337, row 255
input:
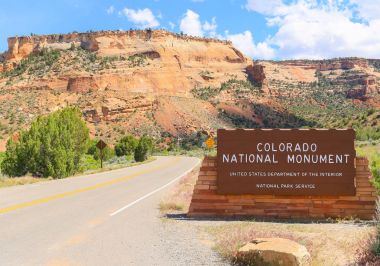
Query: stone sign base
column 206, row 201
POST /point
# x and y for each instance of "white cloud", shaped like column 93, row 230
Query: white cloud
column 110, row 10
column 142, row 18
column 268, row 7
column 192, row 25
column 210, row 27
column 321, row 29
column 245, row 43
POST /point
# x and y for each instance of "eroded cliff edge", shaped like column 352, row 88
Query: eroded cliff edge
column 172, row 85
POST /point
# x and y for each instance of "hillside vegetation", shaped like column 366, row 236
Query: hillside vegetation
column 179, row 89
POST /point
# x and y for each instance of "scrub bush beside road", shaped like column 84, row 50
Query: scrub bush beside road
column 58, row 145
column 53, row 146
column 140, row 149
column 126, row 146
column 143, row 149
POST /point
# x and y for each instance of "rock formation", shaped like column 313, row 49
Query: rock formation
column 256, row 74
column 175, row 61
column 276, row 251
column 140, row 81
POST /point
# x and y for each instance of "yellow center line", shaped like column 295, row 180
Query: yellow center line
column 81, row 190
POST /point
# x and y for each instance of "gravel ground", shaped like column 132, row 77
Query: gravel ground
column 333, row 244
column 184, row 244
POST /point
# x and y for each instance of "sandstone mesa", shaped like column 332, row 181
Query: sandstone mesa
column 143, row 81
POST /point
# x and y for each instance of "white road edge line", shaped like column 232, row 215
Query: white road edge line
column 154, row 191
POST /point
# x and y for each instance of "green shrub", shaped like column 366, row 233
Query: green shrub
column 108, row 154
column 367, row 133
column 126, row 146
column 91, row 150
column 53, row 146
column 137, row 60
column 14, row 162
column 205, row 93
column 375, row 168
column 240, row 88
column 35, row 63
column 144, row 149
column 193, row 141
column 89, row 163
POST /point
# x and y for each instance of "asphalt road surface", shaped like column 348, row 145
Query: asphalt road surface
column 109, row 218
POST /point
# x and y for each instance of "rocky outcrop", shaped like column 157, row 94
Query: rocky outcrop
column 346, row 64
column 362, row 83
column 114, row 68
column 82, row 84
column 111, row 109
column 144, row 81
column 20, row 47
column 172, row 63
column 357, row 93
column 358, row 74
column 276, row 251
column 366, row 84
column 256, row 74
column 330, row 64
column 370, row 83
column 239, row 59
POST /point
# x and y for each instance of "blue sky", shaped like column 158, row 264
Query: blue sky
column 262, row 29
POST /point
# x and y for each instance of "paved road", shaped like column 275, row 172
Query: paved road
column 109, row 218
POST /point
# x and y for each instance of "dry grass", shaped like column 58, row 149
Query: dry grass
column 329, row 244
column 369, row 254
column 178, row 199
column 16, row 181
column 24, row 180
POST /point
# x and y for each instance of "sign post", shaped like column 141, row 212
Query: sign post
column 285, row 174
column 101, row 145
column 286, row 162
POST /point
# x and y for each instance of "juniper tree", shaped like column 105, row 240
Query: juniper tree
column 126, row 146
column 144, row 149
column 53, row 146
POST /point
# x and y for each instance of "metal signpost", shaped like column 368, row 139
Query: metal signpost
column 101, row 145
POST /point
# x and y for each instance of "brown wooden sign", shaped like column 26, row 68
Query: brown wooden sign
column 101, row 145
column 286, row 162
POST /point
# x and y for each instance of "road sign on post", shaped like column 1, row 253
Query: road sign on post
column 210, row 142
column 101, row 145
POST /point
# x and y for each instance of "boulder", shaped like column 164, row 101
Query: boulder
column 273, row 251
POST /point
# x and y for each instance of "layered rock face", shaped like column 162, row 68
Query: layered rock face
column 106, row 42
column 175, row 61
column 128, row 78
column 344, row 64
column 158, row 82
column 356, row 74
